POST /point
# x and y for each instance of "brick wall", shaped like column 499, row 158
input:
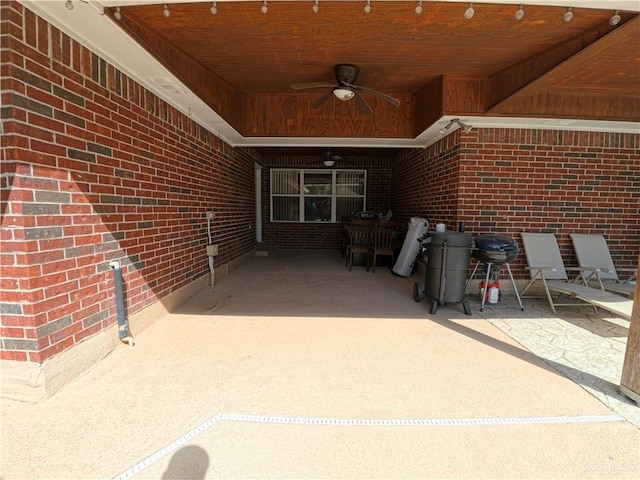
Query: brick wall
column 322, row 235
column 425, row 183
column 510, row 181
column 96, row 168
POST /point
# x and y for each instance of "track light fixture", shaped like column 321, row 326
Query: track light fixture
column 466, row 128
column 165, row 10
column 519, row 15
column 568, row 16
column 69, row 5
column 264, row 9
column 316, row 7
column 214, row 8
column 367, row 7
column 419, row 7
column 615, row 19
column 117, row 14
column 469, row 12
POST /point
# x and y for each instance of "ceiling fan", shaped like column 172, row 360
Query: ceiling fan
column 344, row 89
column 330, row 158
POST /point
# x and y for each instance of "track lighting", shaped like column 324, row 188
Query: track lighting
column 214, row 8
column 469, row 12
column 367, row 7
column 568, row 16
column 615, row 19
column 264, row 9
column 419, row 7
column 165, row 10
column 519, row 15
column 69, row 5
column 117, row 15
column 456, row 121
column 316, row 7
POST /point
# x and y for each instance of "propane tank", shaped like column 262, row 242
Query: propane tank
column 491, row 293
column 494, row 295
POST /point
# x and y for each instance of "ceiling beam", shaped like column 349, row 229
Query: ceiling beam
column 292, row 115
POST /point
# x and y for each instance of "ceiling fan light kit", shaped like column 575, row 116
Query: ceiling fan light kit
column 343, row 93
column 330, row 158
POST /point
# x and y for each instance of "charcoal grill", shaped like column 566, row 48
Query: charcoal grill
column 495, row 251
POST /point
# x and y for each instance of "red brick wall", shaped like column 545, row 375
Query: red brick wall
column 95, row 168
column 321, row 235
column 425, row 183
column 510, row 181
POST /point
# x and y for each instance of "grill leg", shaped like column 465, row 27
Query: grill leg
column 515, row 289
column 434, row 307
column 472, row 274
column 465, row 306
column 486, row 286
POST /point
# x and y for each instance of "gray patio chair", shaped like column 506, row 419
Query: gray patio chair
column 546, row 267
column 593, row 255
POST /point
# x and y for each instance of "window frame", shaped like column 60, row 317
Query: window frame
column 302, row 196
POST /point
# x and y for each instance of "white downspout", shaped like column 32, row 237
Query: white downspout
column 258, row 203
column 211, row 267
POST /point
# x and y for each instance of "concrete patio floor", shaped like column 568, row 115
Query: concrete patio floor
column 293, row 367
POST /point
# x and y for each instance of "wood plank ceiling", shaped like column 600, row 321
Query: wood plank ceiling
column 241, row 62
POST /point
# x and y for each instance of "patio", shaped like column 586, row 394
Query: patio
column 294, row 367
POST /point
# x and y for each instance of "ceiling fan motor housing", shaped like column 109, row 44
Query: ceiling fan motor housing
column 346, row 73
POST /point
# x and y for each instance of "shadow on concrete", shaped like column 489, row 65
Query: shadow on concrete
column 188, row 463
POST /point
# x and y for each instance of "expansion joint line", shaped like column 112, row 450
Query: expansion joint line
column 347, row 422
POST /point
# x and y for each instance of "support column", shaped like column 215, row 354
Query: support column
column 630, row 382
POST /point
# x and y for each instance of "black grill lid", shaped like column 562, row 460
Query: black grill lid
column 495, row 248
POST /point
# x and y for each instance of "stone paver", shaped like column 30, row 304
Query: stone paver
column 582, row 345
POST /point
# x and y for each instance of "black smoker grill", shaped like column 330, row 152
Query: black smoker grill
column 494, row 251
column 448, row 258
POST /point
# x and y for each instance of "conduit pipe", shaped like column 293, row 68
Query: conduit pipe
column 123, row 324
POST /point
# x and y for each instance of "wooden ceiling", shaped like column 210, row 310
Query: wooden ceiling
column 241, row 62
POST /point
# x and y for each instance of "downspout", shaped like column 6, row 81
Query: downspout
column 123, row 324
column 210, row 254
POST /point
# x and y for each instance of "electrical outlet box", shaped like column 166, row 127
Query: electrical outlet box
column 209, row 215
column 212, row 250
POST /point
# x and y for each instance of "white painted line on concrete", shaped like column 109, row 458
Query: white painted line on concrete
column 340, row 422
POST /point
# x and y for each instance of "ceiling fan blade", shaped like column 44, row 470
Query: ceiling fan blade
column 300, row 86
column 362, row 105
column 393, row 101
column 322, row 99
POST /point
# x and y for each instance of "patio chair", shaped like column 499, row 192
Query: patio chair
column 594, row 257
column 545, row 266
column 383, row 243
column 359, row 233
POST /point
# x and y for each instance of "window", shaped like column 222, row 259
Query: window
column 316, row 195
